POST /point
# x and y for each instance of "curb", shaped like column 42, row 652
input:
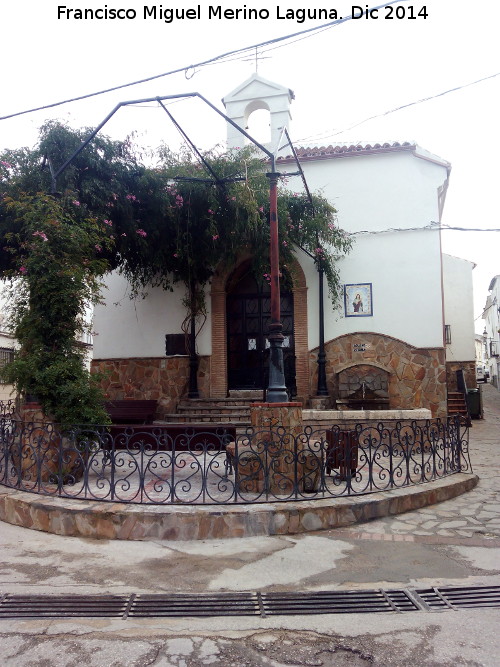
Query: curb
column 118, row 521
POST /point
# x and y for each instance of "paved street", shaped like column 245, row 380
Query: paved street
column 454, row 543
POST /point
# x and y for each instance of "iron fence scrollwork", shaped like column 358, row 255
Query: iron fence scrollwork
column 157, row 465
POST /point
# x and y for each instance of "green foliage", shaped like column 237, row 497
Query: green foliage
column 174, row 223
column 55, row 263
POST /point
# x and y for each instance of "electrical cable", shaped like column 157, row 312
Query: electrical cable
column 432, row 226
column 403, row 106
column 200, row 64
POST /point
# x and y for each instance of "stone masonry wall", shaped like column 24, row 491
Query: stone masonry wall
column 417, row 376
column 164, row 379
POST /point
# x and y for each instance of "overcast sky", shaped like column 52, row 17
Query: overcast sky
column 341, row 76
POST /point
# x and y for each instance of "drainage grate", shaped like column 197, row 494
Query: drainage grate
column 51, row 606
column 460, row 597
column 223, row 604
column 248, row 604
column 337, row 602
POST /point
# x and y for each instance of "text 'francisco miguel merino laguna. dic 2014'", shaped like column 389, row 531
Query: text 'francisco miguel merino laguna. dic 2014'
column 218, row 12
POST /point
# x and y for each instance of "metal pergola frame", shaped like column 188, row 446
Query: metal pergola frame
column 276, row 391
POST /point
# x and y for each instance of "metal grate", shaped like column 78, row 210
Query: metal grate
column 337, row 602
column 248, row 604
column 460, row 597
column 224, row 604
column 50, row 606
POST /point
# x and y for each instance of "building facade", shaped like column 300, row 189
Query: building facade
column 384, row 339
column 491, row 316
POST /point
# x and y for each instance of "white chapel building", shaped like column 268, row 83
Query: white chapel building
column 389, row 339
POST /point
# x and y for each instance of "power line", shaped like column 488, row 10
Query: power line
column 403, row 106
column 203, row 63
column 432, row 226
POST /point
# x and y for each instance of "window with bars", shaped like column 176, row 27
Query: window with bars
column 6, row 356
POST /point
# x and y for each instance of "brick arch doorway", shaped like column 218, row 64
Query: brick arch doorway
column 248, row 315
column 221, row 287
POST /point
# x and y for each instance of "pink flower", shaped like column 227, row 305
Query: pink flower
column 261, row 209
column 319, row 251
column 131, row 197
column 210, row 211
column 23, row 270
column 42, row 235
column 179, row 201
column 285, row 244
column 98, row 247
column 215, row 237
column 6, row 164
column 141, row 232
column 331, row 225
column 175, row 254
column 124, row 234
column 75, row 202
column 107, row 222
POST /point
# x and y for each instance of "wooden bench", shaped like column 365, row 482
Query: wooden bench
column 194, row 438
column 342, row 453
column 131, row 411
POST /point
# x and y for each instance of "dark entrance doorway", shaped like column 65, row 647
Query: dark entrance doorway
column 248, row 308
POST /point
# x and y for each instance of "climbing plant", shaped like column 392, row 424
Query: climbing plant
column 174, row 222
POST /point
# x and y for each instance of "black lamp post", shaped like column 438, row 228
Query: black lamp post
column 322, row 389
column 276, row 391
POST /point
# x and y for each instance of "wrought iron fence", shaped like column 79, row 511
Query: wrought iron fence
column 166, row 465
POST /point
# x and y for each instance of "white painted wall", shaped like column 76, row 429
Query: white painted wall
column 491, row 316
column 376, row 193
column 372, row 192
column 137, row 327
column 6, row 341
column 379, row 191
column 459, row 308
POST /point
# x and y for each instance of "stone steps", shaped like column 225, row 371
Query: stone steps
column 457, row 405
column 238, row 418
column 231, row 410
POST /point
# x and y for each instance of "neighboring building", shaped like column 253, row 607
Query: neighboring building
column 6, row 355
column 491, row 316
column 386, row 339
column 459, row 320
column 481, row 356
column 8, row 347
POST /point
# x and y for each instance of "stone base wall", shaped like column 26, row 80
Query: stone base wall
column 469, row 368
column 164, row 379
column 417, row 376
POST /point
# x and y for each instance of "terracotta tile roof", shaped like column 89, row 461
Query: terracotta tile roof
column 326, row 152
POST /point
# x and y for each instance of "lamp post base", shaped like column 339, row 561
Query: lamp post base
column 276, row 390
